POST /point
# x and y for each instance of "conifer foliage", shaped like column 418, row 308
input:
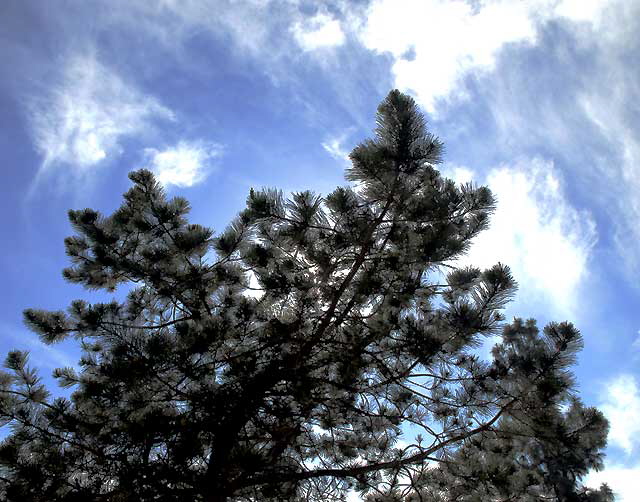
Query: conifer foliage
column 317, row 346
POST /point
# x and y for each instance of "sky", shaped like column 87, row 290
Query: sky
column 538, row 99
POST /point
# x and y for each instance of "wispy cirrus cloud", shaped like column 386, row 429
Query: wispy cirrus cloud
column 611, row 107
column 183, row 165
column 80, row 120
column 253, row 27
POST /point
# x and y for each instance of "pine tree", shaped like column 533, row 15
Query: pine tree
column 316, row 346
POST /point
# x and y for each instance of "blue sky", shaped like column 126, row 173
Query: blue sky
column 538, row 98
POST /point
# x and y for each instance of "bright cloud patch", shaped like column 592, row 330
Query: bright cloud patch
column 622, row 408
column 183, row 165
column 334, row 146
column 87, row 112
column 447, row 39
column 622, row 480
column 317, row 32
column 435, row 43
column 581, row 10
column 459, row 174
column 536, row 232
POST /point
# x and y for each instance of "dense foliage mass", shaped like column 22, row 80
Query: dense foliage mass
column 316, row 346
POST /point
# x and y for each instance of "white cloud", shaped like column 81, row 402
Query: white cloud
column 621, row 406
column 459, row 174
column 184, row 164
column 81, row 119
column 582, row 10
column 334, row 146
column 622, row 480
column 536, row 232
column 319, row 31
column 448, row 39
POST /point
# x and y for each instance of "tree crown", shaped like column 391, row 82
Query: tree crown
column 293, row 355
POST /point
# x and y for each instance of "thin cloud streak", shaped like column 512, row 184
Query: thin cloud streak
column 41, row 355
